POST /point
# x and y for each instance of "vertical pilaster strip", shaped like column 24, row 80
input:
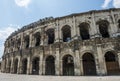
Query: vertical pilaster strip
column 77, row 63
column 101, row 61
column 12, row 65
column 28, row 65
column 94, row 27
column 18, row 67
column 114, row 27
column 30, row 43
column 41, row 64
column 75, row 33
column 57, row 62
column 57, row 32
column 119, row 59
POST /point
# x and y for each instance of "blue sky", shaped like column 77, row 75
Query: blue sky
column 17, row 13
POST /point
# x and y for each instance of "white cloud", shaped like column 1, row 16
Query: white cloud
column 106, row 3
column 23, row 3
column 116, row 3
column 4, row 33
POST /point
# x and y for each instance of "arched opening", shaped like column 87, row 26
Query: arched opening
column 16, row 66
column 119, row 25
column 68, row 65
column 51, row 35
column 35, row 66
column 37, row 39
column 50, row 66
column 9, row 68
column 112, row 65
column 18, row 43
column 24, row 66
column 103, row 28
column 89, row 67
column 84, row 31
column 27, row 40
column 66, row 33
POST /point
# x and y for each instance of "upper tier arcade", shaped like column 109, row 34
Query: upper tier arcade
column 82, row 26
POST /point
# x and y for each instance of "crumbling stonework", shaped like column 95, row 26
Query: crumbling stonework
column 77, row 44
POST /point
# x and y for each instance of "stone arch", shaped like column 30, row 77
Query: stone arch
column 68, row 65
column 16, row 65
column 27, row 41
column 104, row 28
column 66, row 33
column 112, row 65
column 51, row 35
column 35, row 65
column 37, row 38
column 24, row 65
column 89, row 60
column 84, row 31
column 50, row 65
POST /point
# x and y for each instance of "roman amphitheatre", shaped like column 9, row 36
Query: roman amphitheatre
column 79, row 44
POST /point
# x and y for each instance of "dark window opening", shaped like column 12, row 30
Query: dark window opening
column 35, row 66
column 18, row 43
column 51, row 35
column 38, row 39
column 66, row 33
column 50, row 66
column 16, row 66
column 24, row 66
column 27, row 40
column 84, row 31
column 103, row 28
column 88, row 60
column 119, row 24
column 68, row 65
column 112, row 64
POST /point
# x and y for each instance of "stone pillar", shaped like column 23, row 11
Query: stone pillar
column 119, row 59
column 81, row 67
column 114, row 27
column 28, row 65
column 41, row 64
column 77, row 63
column 74, row 31
column 20, row 67
column 22, row 42
column 94, row 28
column 101, row 61
column 12, row 65
column 97, row 66
column 19, row 64
column 57, row 31
column 31, row 41
column 57, row 62
column 61, row 67
column 7, row 65
column 43, row 67
column 3, row 65
column 30, row 68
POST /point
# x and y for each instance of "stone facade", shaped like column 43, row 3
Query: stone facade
column 77, row 44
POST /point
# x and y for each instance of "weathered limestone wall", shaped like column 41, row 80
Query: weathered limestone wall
column 22, row 45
